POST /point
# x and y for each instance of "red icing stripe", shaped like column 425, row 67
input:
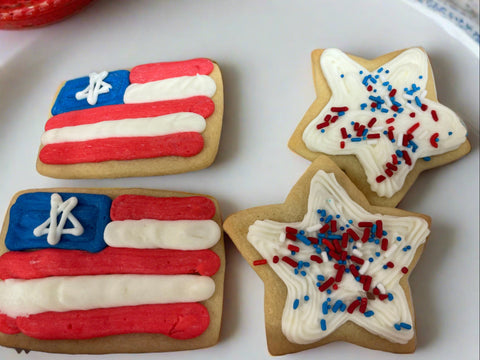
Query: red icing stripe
column 158, row 71
column 8, row 325
column 184, row 144
column 136, row 207
column 57, row 262
column 201, row 105
column 179, row 321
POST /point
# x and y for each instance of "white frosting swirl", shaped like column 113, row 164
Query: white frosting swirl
column 302, row 318
column 348, row 82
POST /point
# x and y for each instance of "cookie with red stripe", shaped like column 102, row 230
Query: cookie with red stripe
column 334, row 267
column 154, row 119
column 379, row 120
column 116, row 270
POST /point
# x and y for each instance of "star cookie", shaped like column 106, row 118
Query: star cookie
column 334, row 267
column 379, row 120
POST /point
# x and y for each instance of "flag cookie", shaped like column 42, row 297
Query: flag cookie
column 111, row 271
column 155, row 119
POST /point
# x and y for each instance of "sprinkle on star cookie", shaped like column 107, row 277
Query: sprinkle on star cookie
column 379, row 120
column 335, row 268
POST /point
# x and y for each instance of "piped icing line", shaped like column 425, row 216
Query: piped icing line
column 65, row 293
column 385, row 113
column 58, row 262
column 159, row 71
column 154, row 234
column 178, row 321
column 154, row 126
column 185, row 144
column 327, row 279
column 200, row 105
column 170, row 89
column 137, row 207
column 95, row 88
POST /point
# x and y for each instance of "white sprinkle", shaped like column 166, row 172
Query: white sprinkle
column 390, row 250
column 282, row 237
column 314, row 228
column 381, row 288
column 357, row 252
column 324, row 256
column 407, row 97
column 364, row 268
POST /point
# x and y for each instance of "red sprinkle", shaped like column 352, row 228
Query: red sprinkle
column 353, row 306
column 339, row 108
column 389, row 121
column 333, row 226
column 424, row 107
column 380, row 178
column 365, row 224
column 275, row 259
column 291, row 236
column 291, row 230
column 390, row 264
column 434, row 115
column 433, row 139
column 372, row 122
column 313, row 240
column 328, row 244
column 353, row 234
column 339, row 275
column 376, row 291
column 413, row 128
column 373, row 136
column 334, row 286
column 392, row 93
column 389, row 172
column 373, row 104
column 406, row 157
column 316, row 258
column 382, row 296
column 391, row 166
column 404, row 270
column 290, row 261
column 337, row 245
column 333, row 119
column 334, row 255
column 412, row 114
column 353, row 270
column 344, row 133
column 322, row 125
column 342, row 144
column 324, row 229
column 260, row 262
column 344, row 240
column 384, row 245
column 379, row 231
column 369, row 88
column 394, row 108
column 357, row 259
column 327, row 118
column 363, row 305
column 293, row 248
column 366, row 235
column 326, row 284
column 394, row 159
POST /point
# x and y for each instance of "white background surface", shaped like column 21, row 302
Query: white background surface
column 263, row 48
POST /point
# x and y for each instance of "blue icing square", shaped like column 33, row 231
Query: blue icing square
column 32, row 209
column 66, row 100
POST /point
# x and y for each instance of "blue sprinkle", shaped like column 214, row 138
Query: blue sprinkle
column 337, row 216
column 328, row 219
column 357, row 278
column 400, row 110
column 384, row 233
column 306, row 264
column 295, row 271
column 417, row 101
column 321, row 277
column 450, row 133
column 380, row 70
column 292, row 253
column 323, row 324
column 405, row 326
column 397, row 327
column 341, row 113
column 377, row 254
column 390, row 297
column 303, row 273
column 427, row 158
column 304, row 239
column 368, row 313
column 385, row 83
column 363, row 106
column 343, row 307
column 399, row 238
column 420, row 77
column 350, row 221
column 342, row 228
column 323, row 212
column 342, row 76
column 295, row 304
column 370, row 259
column 329, row 291
column 300, row 264
column 390, row 87
column 384, row 110
column 376, row 76
column 325, row 308
column 356, row 139
column 361, row 72
column 387, row 71
column 399, row 153
column 302, row 232
column 347, row 270
column 318, row 284
column 385, row 267
column 337, row 306
column 306, row 298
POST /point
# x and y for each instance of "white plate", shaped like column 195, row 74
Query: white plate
column 263, row 48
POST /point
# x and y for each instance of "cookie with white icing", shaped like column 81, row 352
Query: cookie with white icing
column 379, row 120
column 111, row 271
column 335, row 268
column 154, row 119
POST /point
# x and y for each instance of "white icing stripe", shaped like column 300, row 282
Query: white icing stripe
column 65, row 293
column 150, row 234
column 170, row 89
column 154, row 126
